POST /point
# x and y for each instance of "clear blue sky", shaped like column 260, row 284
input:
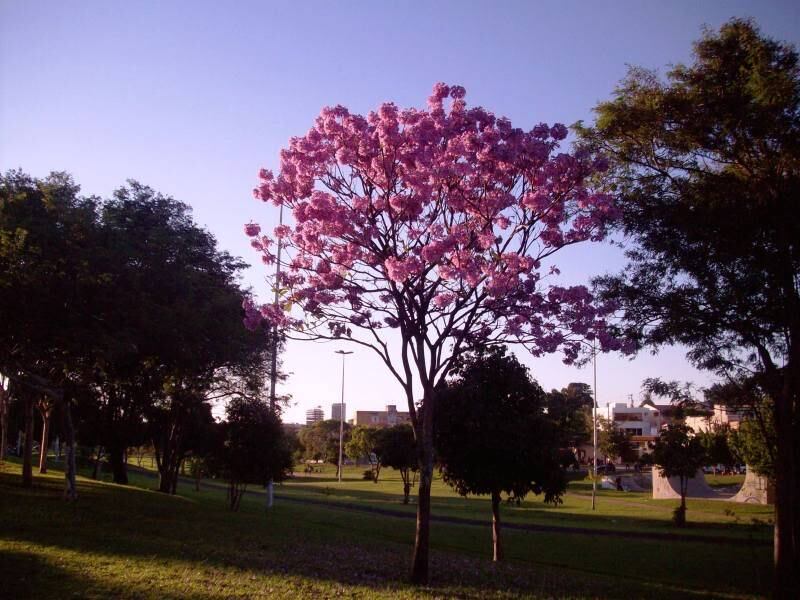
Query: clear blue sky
column 193, row 98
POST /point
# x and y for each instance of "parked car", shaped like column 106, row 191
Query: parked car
column 607, row 468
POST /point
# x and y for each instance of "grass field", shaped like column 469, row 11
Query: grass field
column 133, row 542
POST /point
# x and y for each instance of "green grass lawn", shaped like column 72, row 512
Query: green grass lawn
column 619, row 511
column 133, row 542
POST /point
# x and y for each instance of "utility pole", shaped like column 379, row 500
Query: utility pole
column 341, row 415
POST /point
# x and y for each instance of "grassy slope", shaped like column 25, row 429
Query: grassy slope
column 129, row 542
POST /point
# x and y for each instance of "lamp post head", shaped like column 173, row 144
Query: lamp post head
column 343, row 352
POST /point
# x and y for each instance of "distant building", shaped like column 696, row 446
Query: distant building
column 338, row 411
column 381, row 418
column 717, row 416
column 643, row 423
column 314, row 414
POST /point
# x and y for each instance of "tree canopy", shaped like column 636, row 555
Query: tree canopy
column 706, row 165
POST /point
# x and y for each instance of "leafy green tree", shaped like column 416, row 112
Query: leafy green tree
column 178, row 340
column 679, row 453
column 617, row 444
column 47, row 238
column 716, row 442
column 707, row 166
column 253, row 448
column 321, row 440
column 493, row 435
column 362, row 443
column 396, row 448
column 571, row 409
column 750, row 444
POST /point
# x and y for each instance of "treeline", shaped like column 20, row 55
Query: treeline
column 121, row 326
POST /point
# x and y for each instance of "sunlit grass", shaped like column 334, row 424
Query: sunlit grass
column 119, row 541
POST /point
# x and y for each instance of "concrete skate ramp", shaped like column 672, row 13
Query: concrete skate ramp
column 755, row 490
column 670, row 488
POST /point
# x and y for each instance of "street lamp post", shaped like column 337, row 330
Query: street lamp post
column 341, row 414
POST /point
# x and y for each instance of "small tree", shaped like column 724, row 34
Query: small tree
column 321, row 440
column 397, row 449
column 362, row 444
column 493, row 435
column 716, row 443
column 616, row 443
column 253, row 448
column 679, row 453
column 752, row 447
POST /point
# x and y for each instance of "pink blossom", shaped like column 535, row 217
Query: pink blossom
column 252, row 229
column 407, row 207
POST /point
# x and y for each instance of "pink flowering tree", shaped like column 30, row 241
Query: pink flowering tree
column 420, row 234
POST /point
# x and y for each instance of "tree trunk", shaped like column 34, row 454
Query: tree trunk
column 786, row 517
column 406, row 491
column 27, row 450
column 70, row 488
column 497, row 548
column 98, row 455
column 3, row 422
column 419, row 569
column 119, row 471
column 46, row 409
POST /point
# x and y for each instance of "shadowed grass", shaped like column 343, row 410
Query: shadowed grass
column 134, row 543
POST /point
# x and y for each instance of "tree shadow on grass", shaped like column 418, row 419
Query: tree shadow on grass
column 308, row 551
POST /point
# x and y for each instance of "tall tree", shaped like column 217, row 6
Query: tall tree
column 420, row 233
column 493, row 436
column 175, row 303
column 708, row 164
column 48, row 233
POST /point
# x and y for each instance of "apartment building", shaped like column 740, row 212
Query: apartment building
column 381, row 418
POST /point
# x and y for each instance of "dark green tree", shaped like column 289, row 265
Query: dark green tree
column 679, row 453
column 716, row 441
column 177, row 340
column 493, row 436
column 571, row 409
column 48, row 234
column 616, row 444
column 253, row 448
column 707, row 166
column 396, row 448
